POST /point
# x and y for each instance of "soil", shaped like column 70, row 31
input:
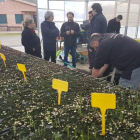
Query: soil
column 29, row 109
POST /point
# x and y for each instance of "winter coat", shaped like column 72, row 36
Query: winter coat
column 49, row 34
column 30, row 40
column 98, row 25
column 70, row 40
column 113, row 26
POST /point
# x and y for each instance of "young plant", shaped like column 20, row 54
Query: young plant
column 82, row 134
column 81, row 99
column 49, row 119
column 138, row 110
column 95, row 134
column 68, row 133
column 121, row 117
column 75, row 132
column 14, row 128
column 58, row 122
column 88, row 132
column 55, row 121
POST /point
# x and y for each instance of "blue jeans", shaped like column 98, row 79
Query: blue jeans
column 73, row 53
column 133, row 82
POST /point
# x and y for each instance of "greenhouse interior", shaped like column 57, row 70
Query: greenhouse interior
column 89, row 89
column 128, row 8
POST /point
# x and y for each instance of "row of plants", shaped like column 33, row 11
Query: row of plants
column 30, row 111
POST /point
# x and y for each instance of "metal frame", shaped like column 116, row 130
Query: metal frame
column 127, row 17
column 86, row 9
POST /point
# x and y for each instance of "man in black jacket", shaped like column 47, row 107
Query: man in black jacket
column 114, row 25
column 70, row 31
column 120, row 51
column 98, row 25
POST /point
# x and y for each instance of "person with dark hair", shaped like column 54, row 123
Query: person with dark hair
column 90, row 54
column 99, row 22
column 120, row 51
column 70, row 31
column 98, row 25
column 114, row 25
column 90, row 16
column 49, row 34
column 71, row 13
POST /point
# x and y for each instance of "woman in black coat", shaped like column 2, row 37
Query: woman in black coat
column 30, row 40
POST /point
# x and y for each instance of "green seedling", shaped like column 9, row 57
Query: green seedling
column 49, row 119
column 14, row 128
column 55, row 121
column 138, row 110
column 75, row 132
column 131, row 138
column 88, row 132
column 121, row 117
column 82, row 135
column 58, row 121
column 68, row 133
column 81, row 98
column 95, row 134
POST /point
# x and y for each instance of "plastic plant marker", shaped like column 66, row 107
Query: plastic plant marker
column 22, row 68
column 4, row 58
column 59, row 86
column 104, row 102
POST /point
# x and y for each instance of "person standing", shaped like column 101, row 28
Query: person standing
column 90, row 16
column 49, row 33
column 70, row 31
column 114, row 25
column 90, row 53
column 98, row 25
column 30, row 40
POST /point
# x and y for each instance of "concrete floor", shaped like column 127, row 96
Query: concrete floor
column 14, row 41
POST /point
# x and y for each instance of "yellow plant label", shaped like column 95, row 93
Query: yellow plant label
column 22, row 68
column 104, row 102
column 59, row 86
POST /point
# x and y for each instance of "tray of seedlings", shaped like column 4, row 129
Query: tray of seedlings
column 29, row 108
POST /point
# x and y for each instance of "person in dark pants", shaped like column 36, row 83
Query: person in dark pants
column 114, row 25
column 30, row 40
column 120, row 51
column 70, row 31
column 98, row 25
column 49, row 33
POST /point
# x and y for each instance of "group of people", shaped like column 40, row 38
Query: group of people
column 70, row 31
column 106, row 47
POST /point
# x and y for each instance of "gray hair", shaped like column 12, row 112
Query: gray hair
column 95, row 37
column 48, row 14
